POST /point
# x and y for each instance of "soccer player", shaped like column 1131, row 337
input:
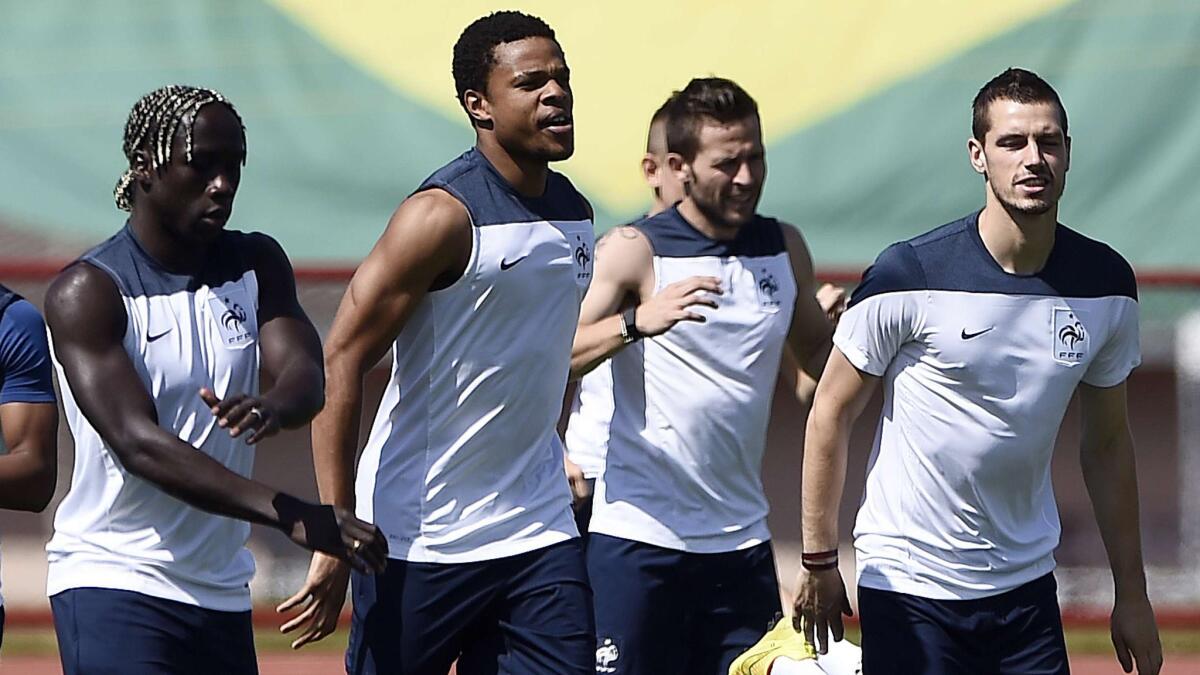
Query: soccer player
column 980, row 332
column 476, row 285
column 28, row 411
column 679, row 554
column 586, row 436
column 160, row 335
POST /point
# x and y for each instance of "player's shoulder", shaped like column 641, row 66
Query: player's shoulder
column 906, row 265
column 20, row 315
column 624, row 247
column 1091, row 267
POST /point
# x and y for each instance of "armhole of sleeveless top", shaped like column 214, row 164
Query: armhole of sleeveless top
column 122, row 291
column 473, row 256
column 653, row 257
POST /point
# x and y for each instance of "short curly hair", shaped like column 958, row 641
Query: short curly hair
column 474, row 53
column 1017, row 85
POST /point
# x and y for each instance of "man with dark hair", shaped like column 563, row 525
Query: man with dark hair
column 692, row 307
column 980, row 331
column 476, row 285
column 28, row 411
column 160, row 334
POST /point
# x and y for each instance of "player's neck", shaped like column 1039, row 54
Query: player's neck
column 527, row 177
column 709, row 227
column 1019, row 242
column 167, row 250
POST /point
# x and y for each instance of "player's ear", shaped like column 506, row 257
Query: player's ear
column 680, row 167
column 1068, row 146
column 652, row 170
column 140, row 168
column 477, row 106
column 977, row 157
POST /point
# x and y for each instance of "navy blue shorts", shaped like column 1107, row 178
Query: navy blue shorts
column 529, row 614
column 1019, row 631
column 102, row 631
column 664, row 612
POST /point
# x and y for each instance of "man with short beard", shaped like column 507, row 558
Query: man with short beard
column 475, row 287
column 980, row 332
column 693, row 307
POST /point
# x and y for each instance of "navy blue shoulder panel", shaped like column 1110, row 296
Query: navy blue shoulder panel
column 896, row 269
column 139, row 275
column 7, row 297
column 672, row 236
column 954, row 258
column 491, row 200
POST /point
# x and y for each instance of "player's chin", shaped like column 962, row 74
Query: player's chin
column 557, row 150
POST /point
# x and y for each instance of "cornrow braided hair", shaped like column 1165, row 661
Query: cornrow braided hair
column 153, row 123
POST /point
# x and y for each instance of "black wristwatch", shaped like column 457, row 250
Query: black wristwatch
column 629, row 329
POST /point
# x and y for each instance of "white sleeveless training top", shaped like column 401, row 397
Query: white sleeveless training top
column 691, row 406
column 463, row 462
column 115, row 530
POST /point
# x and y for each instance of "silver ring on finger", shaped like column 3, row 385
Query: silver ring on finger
column 257, row 412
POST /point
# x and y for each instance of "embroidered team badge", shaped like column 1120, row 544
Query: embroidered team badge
column 583, row 260
column 231, row 311
column 606, row 655
column 768, row 288
column 1070, row 339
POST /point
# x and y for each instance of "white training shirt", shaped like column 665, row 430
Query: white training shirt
column 978, row 367
column 685, row 444
column 115, row 530
column 464, row 462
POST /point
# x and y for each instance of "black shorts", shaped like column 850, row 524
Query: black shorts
column 665, row 612
column 1018, row 632
column 529, row 613
column 102, row 631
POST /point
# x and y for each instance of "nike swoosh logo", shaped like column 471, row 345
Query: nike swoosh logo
column 506, row 264
column 152, row 338
column 968, row 336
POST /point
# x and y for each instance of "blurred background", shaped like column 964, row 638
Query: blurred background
column 866, row 110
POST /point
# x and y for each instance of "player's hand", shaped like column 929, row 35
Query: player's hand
column 671, row 305
column 334, row 530
column 1135, row 635
column 320, row 600
column 580, row 490
column 832, row 300
column 820, row 603
column 240, row 413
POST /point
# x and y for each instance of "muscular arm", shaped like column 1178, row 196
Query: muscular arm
column 842, row 393
column 623, row 275
column 30, row 469
column 426, row 245
column 1110, row 473
column 288, row 343
column 621, row 271
column 809, row 336
column 28, row 411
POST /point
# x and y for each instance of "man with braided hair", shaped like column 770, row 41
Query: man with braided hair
column 475, row 285
column 159, row 335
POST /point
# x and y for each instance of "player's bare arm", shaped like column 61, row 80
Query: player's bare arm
column 426, row 246
column 290, row 352
column 810, row 334
column 1110, row 473
column 30, row 469
column 623, row 276
column 842, row 393
column 87, row 323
